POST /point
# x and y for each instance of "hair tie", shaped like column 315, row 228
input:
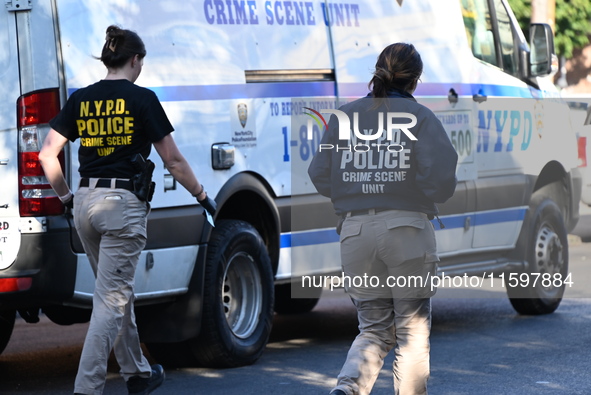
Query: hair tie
column 111, row 43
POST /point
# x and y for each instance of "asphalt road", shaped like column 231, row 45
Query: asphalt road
column 479, row 346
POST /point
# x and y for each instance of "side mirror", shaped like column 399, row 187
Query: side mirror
column 541, row 42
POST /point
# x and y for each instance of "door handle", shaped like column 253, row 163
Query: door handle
column 452, row 96
column 479, row 97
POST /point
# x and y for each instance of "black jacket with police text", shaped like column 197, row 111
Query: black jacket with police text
column 397, row 173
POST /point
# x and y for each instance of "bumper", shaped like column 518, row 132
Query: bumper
column 47, row 259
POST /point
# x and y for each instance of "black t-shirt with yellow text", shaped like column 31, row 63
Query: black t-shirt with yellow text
column 114, row 120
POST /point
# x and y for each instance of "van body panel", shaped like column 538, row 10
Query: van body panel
column 198, row 71
column 10, row 237
column 241, row 73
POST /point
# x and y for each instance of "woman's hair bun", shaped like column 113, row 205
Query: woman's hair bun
column 120, row 46
column 398, row 67
column 114, row 34
column 383, row 74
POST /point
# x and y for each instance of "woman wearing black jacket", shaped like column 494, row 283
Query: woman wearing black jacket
column 385, row 186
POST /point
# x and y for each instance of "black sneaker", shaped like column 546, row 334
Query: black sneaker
column 144, row 386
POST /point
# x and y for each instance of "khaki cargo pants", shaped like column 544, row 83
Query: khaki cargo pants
column 111, row 224
column 388, row 260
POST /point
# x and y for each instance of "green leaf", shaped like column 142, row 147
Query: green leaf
column 572, row 25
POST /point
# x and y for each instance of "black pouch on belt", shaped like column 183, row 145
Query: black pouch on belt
column 143, row 186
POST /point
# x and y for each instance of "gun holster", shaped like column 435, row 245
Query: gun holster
column 143, row 186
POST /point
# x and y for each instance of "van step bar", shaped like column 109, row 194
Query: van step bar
column 478, row 268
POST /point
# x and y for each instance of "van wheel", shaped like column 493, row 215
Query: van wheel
column 285, row 304
column 547, row 254
column 6, row 325
column 237, row 298
column 172, row 355
column 66, row 315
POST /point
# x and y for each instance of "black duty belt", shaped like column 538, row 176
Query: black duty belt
column 106, row 183
column 371, row 211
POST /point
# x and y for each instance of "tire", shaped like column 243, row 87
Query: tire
column 7, row 318
column 546, row 253
column 237, row 298
column 66, row 315
column 172, row 355
column 285, row 304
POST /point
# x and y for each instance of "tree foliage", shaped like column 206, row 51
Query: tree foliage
column 572, row 25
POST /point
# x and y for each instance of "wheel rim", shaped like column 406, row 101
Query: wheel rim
column 549, row 256
column 242, row 294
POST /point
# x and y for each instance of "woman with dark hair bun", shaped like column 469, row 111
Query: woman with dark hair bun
column 398, row 68
column 120, row 45
column 112, row 202
column 385, row 190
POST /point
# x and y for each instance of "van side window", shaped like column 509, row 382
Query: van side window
column 479, row 30
column 507, row 40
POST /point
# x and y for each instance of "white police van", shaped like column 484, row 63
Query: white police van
column 231, row 76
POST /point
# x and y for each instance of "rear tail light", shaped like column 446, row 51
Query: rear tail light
column 34, row 111
column 582, row 149
column 15, row 284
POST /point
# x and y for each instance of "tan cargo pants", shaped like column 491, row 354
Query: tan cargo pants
column 388, row 259
column 111, row 224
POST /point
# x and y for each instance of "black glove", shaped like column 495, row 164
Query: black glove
column 208, row 204
column 69, row 203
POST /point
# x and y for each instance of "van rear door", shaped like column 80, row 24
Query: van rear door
column 9, row 92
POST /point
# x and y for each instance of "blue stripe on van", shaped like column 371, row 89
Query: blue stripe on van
column 241, row 91
column 316, row 89
column 245, row 91
column 442, row 89
column 307, row 238
column 324, row 236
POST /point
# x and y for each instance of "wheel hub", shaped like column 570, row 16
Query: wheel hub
column 242, row 295
column 548, row 251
